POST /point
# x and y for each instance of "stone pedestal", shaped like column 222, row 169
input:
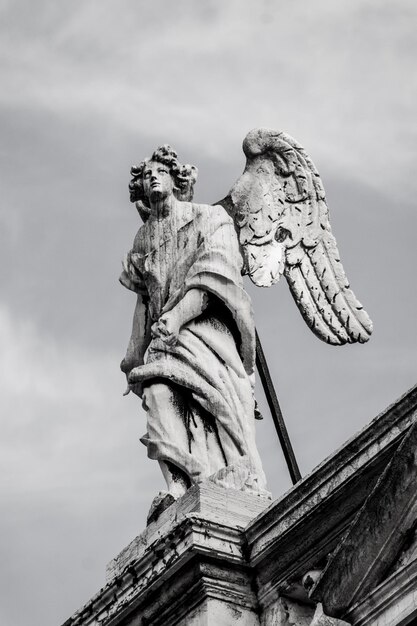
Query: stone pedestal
column 188, row 567
column 220, row 557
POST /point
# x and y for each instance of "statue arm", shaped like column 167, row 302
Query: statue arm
column 140, row 337
column 191, row 306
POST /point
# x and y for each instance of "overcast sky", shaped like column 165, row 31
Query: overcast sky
column 89, row 88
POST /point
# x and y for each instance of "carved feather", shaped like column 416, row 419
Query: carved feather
column 281, row 215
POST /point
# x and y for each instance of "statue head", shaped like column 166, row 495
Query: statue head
column 141, row 189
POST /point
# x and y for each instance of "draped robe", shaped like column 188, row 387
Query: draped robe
column 204, row 420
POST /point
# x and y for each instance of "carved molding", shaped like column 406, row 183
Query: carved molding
column 185, row 560
column 286, row 540
column 376, row 535
column 393, row 602
column 188, row 565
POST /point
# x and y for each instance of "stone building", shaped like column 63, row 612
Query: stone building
column 338, row 548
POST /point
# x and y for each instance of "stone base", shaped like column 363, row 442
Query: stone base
column 188, row 567
column 220, row 556
column 204, row 503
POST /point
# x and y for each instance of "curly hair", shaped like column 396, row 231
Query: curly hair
column 184, row 177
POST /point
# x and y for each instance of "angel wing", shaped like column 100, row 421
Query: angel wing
column 279, row 207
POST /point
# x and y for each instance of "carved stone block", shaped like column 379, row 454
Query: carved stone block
column 376, row 535
column 207, row 501
column 220, row 557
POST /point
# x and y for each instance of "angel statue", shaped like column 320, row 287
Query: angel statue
column 191, row 355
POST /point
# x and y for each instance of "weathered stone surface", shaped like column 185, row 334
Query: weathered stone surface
column 198, row 562
column 300, row 529
column 321, row 619
column 189, row 566
column 376, row 535
column 191, row 355
column 287, row 612
column 280, row 210
column 392, row 603
column 408, row 553
column 207, row 561
column 217, row 613
column 209, row 501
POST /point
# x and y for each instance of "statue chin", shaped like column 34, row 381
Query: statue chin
column 158, row 195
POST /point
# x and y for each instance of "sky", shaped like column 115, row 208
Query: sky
column 91, row 87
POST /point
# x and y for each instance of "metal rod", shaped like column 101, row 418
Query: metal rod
column 276, row 413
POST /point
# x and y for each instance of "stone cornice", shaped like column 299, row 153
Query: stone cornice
column 204, row 552
column 286, row 539
column 376, row 536
column 394, row 600
column 194, row 537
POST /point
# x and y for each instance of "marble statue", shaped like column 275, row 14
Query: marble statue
column 191, row 354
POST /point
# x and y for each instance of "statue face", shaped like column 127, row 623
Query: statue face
column 157, row 181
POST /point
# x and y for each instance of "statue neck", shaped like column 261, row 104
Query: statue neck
column 162, row 207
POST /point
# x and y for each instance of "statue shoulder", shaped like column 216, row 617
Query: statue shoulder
column 212, row 212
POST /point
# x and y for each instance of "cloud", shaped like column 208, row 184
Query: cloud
column 70, row 468
column 142, row 67
column 88, row 88
column 56, row 392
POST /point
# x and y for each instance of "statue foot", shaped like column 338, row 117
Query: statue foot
column 241, row 476
column 160, row 503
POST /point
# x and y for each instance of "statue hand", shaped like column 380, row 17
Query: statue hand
column 167, row 328
column 125, row 366
column 130, row 361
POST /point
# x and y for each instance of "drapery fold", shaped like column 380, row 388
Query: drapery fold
column 210, row 367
